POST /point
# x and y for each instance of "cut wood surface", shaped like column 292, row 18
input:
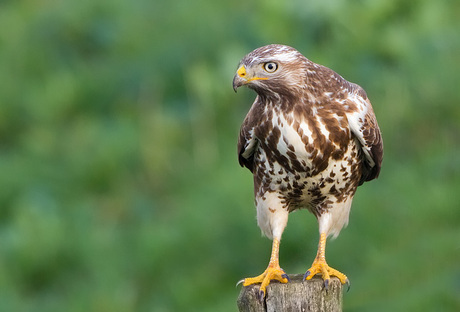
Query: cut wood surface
column 297, row 295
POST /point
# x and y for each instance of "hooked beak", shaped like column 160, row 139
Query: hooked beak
column 243, row 78
column 240, row 78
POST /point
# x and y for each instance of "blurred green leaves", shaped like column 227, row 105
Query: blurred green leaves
column 120, row 188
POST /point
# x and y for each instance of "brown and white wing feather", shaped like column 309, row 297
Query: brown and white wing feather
column 364, row 127
column 247, row 142
column 362, row 122
column 247, row 145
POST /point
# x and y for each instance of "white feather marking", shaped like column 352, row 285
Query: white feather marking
column 248, row 151
column 288, row 56
column 356, row 122
column 335, row 219
column 322, row 128
column 290, row 135
column 314, row 110
column 271, row 216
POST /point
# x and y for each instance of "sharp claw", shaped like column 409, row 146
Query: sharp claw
column 239, row 282
column 286, row 277
column 307, row 274
column 326, row 284
column 261, row 295
column 348, row 284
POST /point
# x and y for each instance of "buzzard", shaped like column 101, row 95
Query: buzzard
column 310, row 139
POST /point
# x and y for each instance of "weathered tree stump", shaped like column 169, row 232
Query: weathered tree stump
column 297, row 295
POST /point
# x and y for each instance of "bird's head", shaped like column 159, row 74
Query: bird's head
column 273, row 68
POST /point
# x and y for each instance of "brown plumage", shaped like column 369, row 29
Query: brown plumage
column 310, row 139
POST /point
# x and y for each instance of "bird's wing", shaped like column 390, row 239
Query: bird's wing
column 364, row 127
column 247, row 141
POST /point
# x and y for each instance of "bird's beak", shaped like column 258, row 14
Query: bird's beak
column 240, row 78
column 243, row 78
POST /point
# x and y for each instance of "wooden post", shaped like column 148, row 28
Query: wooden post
column 297, row 295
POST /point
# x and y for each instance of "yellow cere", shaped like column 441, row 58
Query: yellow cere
column 242, row 73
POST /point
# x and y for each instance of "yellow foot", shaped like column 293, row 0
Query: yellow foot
column 271, row 273
column 320, row 266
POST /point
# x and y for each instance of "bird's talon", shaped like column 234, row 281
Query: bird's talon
column 326, row 284
column 239, row 282
column 286, row 277
column 320, row 266
column 261, row 295
column 307, row 274
column 348, row 284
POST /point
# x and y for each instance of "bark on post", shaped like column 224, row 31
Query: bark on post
column 297, row 295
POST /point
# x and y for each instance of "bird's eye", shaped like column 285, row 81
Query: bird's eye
column 270, row 67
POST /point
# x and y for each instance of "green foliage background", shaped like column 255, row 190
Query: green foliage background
column 120, row 188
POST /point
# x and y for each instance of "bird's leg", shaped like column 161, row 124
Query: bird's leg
column 320, row 266
column 273, row 271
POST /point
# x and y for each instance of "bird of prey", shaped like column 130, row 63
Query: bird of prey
column 310, row 139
